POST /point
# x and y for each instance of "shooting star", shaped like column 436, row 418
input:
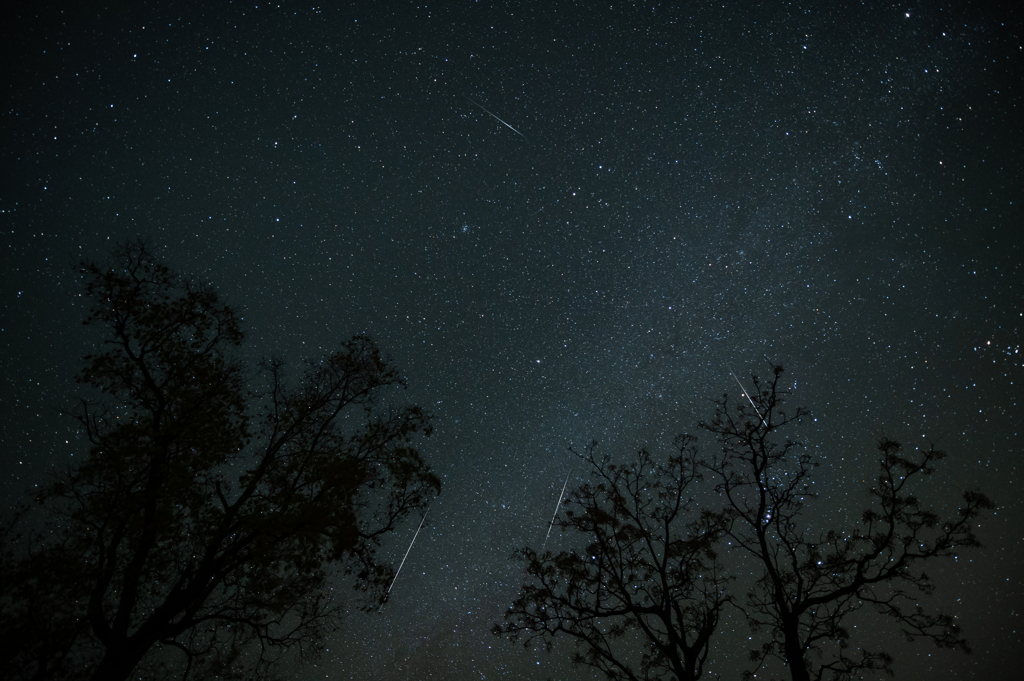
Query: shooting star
column 498, row 119
column 557, row 506
column 747, row 395
column 404, row 557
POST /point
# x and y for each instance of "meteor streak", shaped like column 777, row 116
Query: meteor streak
column 747, row 395
column 557, row 506
column 404, row 557
column 498, row 119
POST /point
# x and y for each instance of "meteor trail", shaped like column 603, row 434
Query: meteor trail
column 747, row 395
column 498, row 119
column 551, row 524
column 404, row 557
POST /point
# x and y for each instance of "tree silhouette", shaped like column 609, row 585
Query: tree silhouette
column 650, row 573
column 811, row 580
column 216, row 505
column 645, row 570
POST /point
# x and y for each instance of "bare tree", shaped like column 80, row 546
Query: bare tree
column 202, row 531
column 812, row 580
column 644, row 579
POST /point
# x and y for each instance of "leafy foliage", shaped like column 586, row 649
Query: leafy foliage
column 202, row 532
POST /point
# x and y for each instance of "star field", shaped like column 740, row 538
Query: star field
column 693, row 190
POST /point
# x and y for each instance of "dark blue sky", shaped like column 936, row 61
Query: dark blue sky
column 695, row 189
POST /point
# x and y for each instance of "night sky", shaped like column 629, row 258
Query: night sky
column 671, row 193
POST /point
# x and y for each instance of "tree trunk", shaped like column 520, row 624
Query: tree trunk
column 690, row 667
column 794, row 654
column 120, row 661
